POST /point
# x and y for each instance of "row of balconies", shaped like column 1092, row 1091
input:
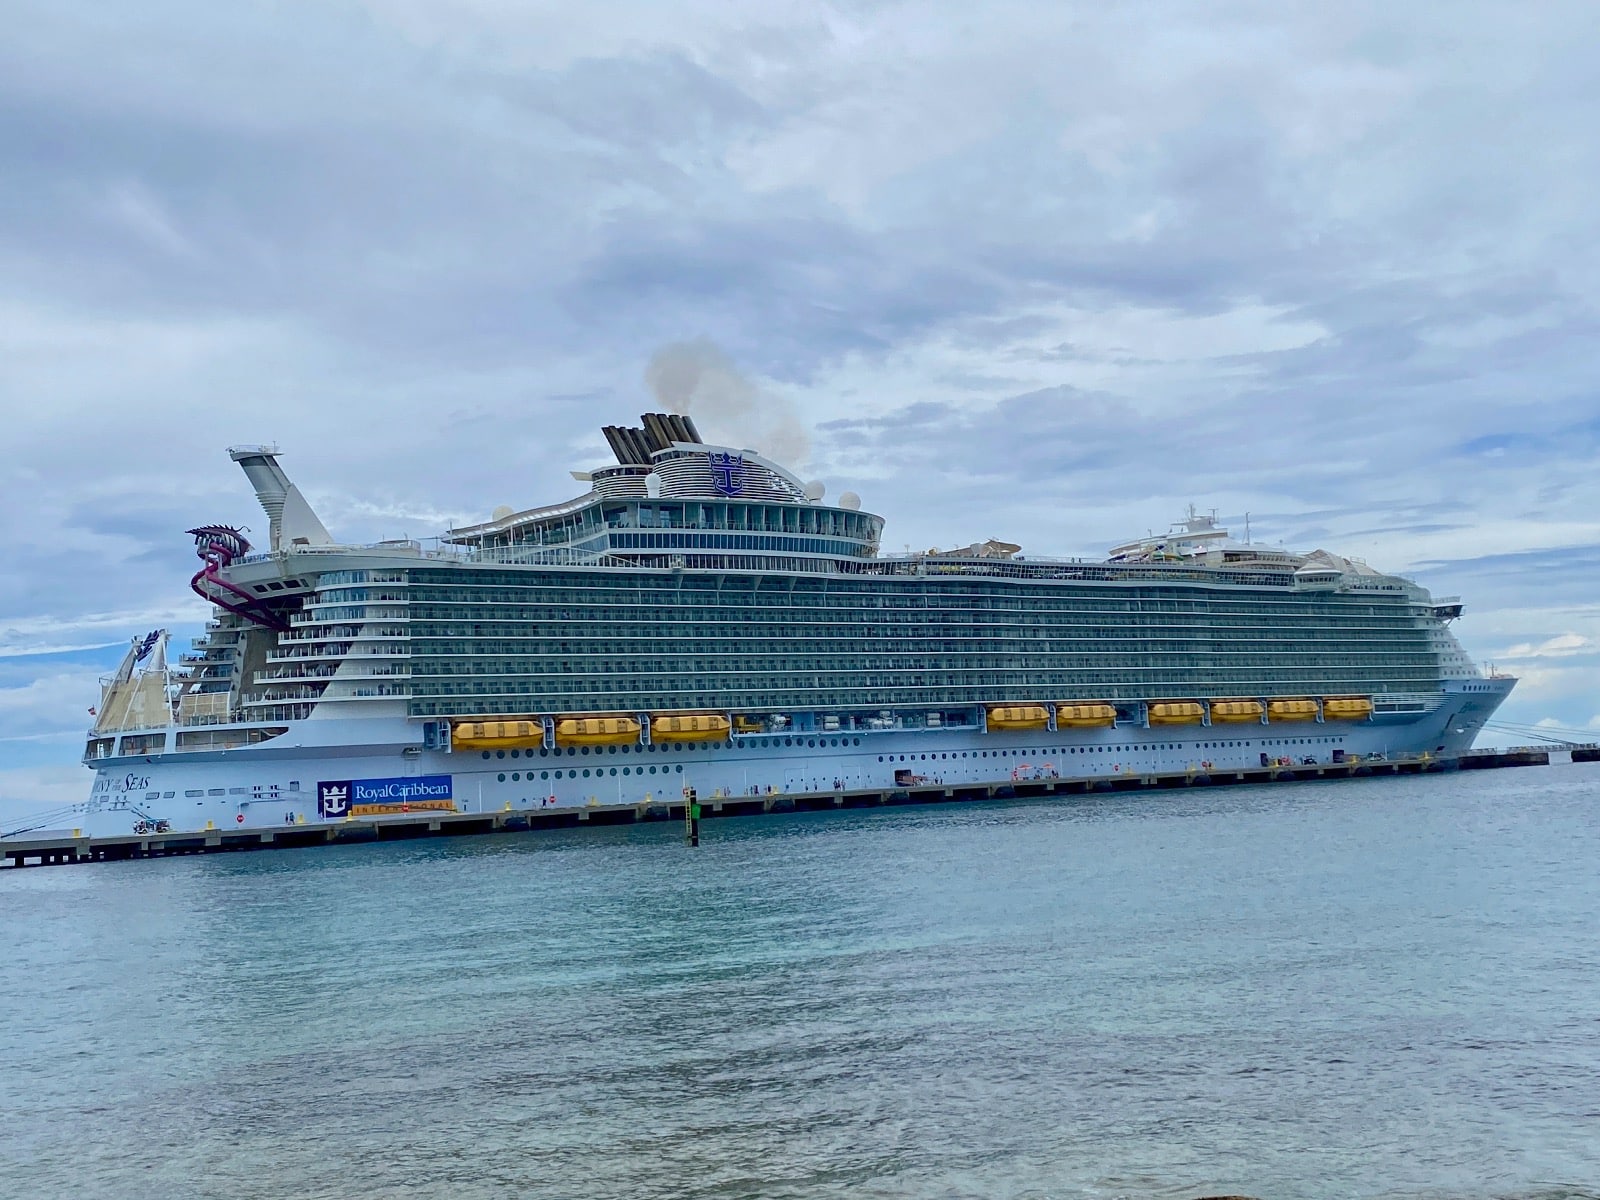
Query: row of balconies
column 293, row 674
column 289, row 695
column 337, row 652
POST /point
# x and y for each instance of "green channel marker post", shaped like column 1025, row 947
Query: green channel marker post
column 691, row 817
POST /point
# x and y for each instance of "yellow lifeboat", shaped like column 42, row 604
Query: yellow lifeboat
column 1235, row 712
column 596, row 731
column 1018, row 716
column 1292, row 710
column 1347, row 708
column 746, row 725
column 1085, row 716
column 497, row 733
column 1177, row 712
column 689, row 727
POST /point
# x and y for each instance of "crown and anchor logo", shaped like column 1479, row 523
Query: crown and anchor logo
column 333, row 799
column 727, row 473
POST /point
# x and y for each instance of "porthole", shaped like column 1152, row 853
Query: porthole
column 680, row 768
column 502, row 776
column 858, row 741
column 613, row 770
column 544, row 754
column 499, row 753
column 544, row 774
column 516, row 776
column 627, row 770
column 586, row 772
column 585, row 749
column 486, row 754
column 652, row 768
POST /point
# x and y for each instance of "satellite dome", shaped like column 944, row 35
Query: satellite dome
column 816, row 490
column 501, row 512
column 652, row 484
column 849, row 500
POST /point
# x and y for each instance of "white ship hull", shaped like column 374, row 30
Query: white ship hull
column 329, row 770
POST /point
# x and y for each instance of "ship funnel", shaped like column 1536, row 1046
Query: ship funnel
column 292, row 521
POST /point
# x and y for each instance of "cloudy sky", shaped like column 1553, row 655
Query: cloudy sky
column 1040, row 271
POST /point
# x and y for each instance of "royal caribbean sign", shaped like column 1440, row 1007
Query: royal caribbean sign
column 367, row 797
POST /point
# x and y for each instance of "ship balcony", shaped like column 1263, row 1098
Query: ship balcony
column 256, row 699
column 300, row 619
column 341, row 633
column 375, row 598
column 309, row 672
column 204, row 650
column 279, row 656
column 260, row 700
column 302, row 674
column 281, row 712
column 381, row 691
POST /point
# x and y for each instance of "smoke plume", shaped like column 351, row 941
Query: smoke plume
column 697, row 379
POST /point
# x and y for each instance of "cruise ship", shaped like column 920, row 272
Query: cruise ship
column 700, row 617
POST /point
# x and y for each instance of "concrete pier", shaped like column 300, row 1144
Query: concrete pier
column 1521, row 756
column 55, row 850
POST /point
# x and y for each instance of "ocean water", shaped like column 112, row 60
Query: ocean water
column 1376, row 988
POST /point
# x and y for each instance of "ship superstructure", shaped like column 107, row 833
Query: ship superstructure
column 700, row 616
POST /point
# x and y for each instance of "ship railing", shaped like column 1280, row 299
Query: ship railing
column 539, row 557
column 283, row 712
column 252, row 699
column 1062, row 569
column 527, row 515
column 257, row 699
column 326, row 672
column 139, row 727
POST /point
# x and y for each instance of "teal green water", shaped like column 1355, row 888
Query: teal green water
column 1377, row 988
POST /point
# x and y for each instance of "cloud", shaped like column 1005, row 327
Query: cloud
column 1049, row 276
column 1563, row 645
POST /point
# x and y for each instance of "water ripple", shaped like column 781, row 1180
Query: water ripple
column 1380, row 989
